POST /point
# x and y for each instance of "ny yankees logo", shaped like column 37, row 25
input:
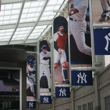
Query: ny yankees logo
column 45, row 100
column 62, row 92
column 31, row 104
column 83, row 78
column 107, row 40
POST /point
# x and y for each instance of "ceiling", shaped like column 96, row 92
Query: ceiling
column 24, row 21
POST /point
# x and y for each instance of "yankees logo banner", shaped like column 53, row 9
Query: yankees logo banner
column 45, row 100
column 62, row 92
column 80, row 38
column 31, row 104
column 61, row 62
column 102, row 41
column 45, row 67
column 31, row 80
column 81, row 78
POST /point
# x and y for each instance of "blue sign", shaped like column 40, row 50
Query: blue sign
column 45, row 100
column 62, row 92
column 31, row 104
column 81, row 78
column 102, row 41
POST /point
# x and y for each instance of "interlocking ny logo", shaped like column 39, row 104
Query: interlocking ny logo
column 107, row 41
column 45, row 100
column 82, row 77
column 62, row 92
column 31, row 104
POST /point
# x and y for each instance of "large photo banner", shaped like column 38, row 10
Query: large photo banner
column 101, row 11
column 45, row 67
column 80, row 38
column 31, row 81
column 61, row 65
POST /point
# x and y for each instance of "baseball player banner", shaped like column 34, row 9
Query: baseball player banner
column 79, row 28
column 81, row 78
column 31, row 80
column 62, row 92
column 45, row 67
column 102, row 41
column 101, row 11
column 45, row 100
column 61, row 65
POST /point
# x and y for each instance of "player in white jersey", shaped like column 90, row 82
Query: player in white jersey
column 77, row 14
column 59, row 51
column 44, row 64
column 31, row 80
column 106, row 10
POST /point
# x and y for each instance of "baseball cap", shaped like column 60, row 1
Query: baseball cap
column 44, row 47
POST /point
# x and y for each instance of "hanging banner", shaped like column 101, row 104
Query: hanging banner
column 62, row 92
column 31, row 81
column 80, row 38
column 45, row 100
column 100, row 11
column 61, row 65
column 45, row 67
column 102, row 41
column 81, row 78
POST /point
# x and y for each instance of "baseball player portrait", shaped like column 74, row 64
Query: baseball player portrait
column 44, row 65
column 60, row 56
column 31, row 76
column 77, row 15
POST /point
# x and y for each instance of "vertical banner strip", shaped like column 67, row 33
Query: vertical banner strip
column 61, row 59
column 80, row 38
column 31, row 81
column 45, row 68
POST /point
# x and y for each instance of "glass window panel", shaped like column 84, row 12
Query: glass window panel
column 8, row 33
column 51, row 17
column 51, row 2
column 17, row 5
column 46, row 13
column 27, row 4
column 39, row 9
column 13, row 21
column 1, row 34
column 1, row 18
column 7, row 12
column 14, row 16
column 44, row 18
column 5, row 22
column 9, row 30
column 49, row 8
column 1, row 13
column 25, row 10
column 35, row 3
column 15, row 11
column 2, row 7
column 29, row 19
column 6, row 17
column 60, row 1
column 9, row 6
column 56, row 7
column 33, row 10
column 42, row 3
column 37, row 14
column 31, row 15
column 23, row 15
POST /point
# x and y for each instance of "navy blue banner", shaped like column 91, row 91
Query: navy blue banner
column 81, row 78
column 102, row 41
column 45, row 100
column 31, row 104
column 62, row 92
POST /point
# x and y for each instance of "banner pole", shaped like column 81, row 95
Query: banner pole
column 38, row 75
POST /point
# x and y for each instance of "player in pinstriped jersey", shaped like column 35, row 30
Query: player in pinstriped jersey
column 77, row 14
column 106, row 10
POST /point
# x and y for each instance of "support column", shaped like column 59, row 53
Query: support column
column 97, row 95
column 72, row 100
column 53, row 103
